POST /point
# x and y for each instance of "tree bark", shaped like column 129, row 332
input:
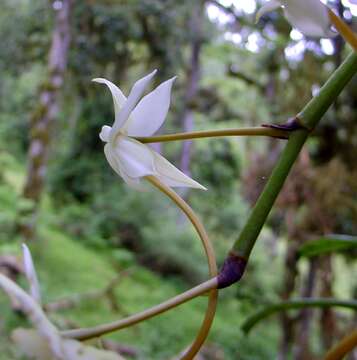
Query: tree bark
column 44, row 117
column 328, row 322
column 302, row 349
column 287, row 321
column 192, row 84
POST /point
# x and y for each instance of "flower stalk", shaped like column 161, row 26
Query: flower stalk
column 345, row 346
column 344, row 30
column 248, row 131
column 90, row 333
column 212, row 265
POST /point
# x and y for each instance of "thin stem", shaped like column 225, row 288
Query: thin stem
column 309, row 118
column 249, row 131
column 213, row 295
column 346, row 345
column 90, row 333
column 295, row 304
column 345, row 31
column 193, row 219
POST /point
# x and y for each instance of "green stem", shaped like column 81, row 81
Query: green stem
column 249, row 131
column 309, row 118
column 295, row 304
column 93, row 332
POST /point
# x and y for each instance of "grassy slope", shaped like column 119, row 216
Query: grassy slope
column 66, row 267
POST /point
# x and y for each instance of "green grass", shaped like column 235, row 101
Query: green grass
column 66, row 267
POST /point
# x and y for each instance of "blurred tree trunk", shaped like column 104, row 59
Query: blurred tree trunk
column 328, row 319
column 192, row 83
column 293, row 197
column 302, row 348
column 44, row 116
column 287, row 321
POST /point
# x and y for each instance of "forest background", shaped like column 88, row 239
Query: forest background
column 103, row 250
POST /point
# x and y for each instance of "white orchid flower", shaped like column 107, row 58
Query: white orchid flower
column 44, row 341
column 129, row 158
column 308, row 16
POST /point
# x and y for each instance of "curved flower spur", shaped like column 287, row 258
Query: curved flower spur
column 128, row 157
column 311, row 17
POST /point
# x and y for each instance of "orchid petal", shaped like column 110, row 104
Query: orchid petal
column 309, row 16
column 266, row 8
column 134, row 158
column 31, row 275
column 151, row 111
column 105, row 133
column 171, row 176
column 133, row 98
column 134, row 183
column 113, row 162
column 118, row 97
column 34, row 312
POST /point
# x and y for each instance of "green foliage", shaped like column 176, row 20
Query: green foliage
column 295, row 304
column 76, row 269
column 328, row 244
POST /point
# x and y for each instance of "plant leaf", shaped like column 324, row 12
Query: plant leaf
column 328, row 244
column 271, row 309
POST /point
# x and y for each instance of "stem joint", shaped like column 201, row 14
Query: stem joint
column 232, row 270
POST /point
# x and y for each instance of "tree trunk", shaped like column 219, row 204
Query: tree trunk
column 287, row 322
column 192, row 84
column 328, row 320
column 44, row 116
column 302, row 349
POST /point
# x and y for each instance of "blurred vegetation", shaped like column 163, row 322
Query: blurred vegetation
column 91, row 226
